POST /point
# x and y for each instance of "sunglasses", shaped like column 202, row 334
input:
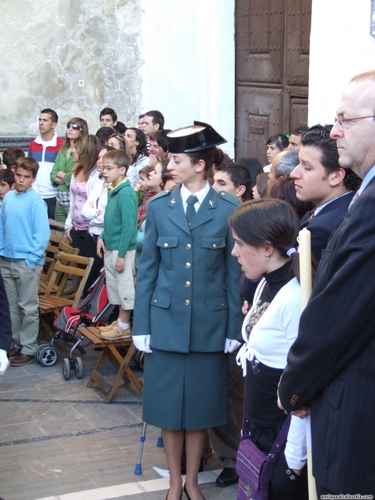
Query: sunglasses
column 74, row 126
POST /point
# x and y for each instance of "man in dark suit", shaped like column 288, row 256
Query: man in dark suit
column 6, row 328
column 331, row 365
column 319, row 178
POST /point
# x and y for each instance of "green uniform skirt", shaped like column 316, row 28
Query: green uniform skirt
column 185, row 391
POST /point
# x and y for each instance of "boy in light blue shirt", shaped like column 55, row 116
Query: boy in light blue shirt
column 24, row 236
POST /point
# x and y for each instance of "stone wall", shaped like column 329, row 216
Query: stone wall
column 74, row 56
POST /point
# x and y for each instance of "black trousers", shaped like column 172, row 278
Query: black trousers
column 51, row 205
column 87, row 248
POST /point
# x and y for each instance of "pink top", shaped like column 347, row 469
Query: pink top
column 79, row 199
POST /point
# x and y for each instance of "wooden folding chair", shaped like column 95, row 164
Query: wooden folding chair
column 63, row 246
column 53, row 247
column 51, row 302
column 111, row 353
column 56, row 227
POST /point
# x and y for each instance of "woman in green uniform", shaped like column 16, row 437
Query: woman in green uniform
column 187, row 306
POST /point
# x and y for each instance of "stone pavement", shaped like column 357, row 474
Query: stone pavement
column 59, row 441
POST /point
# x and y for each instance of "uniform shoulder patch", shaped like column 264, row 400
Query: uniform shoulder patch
column 228, row 197
column 159, row 195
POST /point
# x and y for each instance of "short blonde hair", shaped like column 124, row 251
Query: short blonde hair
column 123, row 143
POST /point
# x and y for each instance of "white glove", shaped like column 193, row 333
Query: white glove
column 142, row 343
column 231, row 345
column 4, row 361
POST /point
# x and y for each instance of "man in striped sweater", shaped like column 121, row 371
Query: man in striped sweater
column 44, row 150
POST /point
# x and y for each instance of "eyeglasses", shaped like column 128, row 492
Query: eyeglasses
column 340, row 120
column 74, row 126
column 108, row 169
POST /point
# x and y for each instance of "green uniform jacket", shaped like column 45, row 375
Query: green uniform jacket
column 187, row 294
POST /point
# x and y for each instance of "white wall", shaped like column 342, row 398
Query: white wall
column 340, row 47
column 188, row 71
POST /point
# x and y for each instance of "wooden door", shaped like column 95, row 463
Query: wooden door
column 272, row 63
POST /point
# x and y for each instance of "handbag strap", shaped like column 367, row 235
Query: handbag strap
column 280, row 439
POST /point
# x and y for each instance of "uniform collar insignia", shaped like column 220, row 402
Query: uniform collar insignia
column 173, row 201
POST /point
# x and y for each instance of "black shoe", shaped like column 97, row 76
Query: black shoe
column 166, row 498
column 187, row 494
column 227, row 477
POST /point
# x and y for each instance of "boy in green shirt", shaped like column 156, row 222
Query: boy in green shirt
column 118, row 242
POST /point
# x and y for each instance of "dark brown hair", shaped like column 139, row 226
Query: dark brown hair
column 262, row 185
column 319, row 137
column 146, row 171
column 266, row 222
column 6, row 175
column 82, row 123
column 284, row 190
column 28, row 164
column 88, row 148
column 141, row 147
column 210, row 156
column 167, row 176
column 11, row 155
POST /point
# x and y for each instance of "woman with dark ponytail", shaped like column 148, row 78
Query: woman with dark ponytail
column 265, row 233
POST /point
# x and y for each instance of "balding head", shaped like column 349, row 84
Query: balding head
column 367, row 75
column 354, row 129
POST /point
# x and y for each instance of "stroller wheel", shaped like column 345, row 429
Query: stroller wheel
column 38, row 350
column 78, row 367
column 66, row 368
column 47, row 356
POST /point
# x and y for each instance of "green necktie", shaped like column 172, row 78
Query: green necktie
column 190, row 209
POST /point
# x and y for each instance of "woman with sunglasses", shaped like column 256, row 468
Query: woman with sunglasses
column 61, row 173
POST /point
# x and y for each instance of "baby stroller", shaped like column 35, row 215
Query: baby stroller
column 93, row 310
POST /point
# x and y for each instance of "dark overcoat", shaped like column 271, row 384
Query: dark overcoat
column 5, row 321
column 332, row 363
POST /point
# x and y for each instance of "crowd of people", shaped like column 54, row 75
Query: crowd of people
column 213, row 245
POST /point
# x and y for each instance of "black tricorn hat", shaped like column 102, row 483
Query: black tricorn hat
column 193, row 138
